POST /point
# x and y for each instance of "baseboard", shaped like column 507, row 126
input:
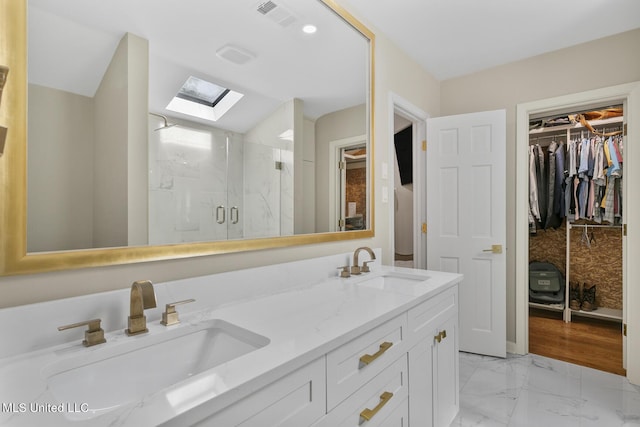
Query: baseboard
column 512, row 348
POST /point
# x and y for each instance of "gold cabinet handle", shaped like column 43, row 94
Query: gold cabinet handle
column 441, row 335
column 92, row 336
column 367, row 413
column 368, row 358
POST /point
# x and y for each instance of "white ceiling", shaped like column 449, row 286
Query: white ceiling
column 71, row 43
column 450, row 38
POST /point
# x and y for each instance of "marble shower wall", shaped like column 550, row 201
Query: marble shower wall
column 191, row 182
column 269, row 188
column 196, row 180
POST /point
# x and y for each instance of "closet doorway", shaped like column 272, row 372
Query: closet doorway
column 579, row 235
column 575, row 235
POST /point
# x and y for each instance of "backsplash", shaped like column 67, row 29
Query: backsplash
column 37, row 323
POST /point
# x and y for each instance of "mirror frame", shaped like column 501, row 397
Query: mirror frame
column 13, row 174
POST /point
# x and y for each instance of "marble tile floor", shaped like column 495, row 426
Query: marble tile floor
column 536, row 391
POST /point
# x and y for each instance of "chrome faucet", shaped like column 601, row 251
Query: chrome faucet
column 355, row 268
column 142, row 297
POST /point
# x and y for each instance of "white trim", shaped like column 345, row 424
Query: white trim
column 419, row 120
column 629, row 93
column 334, row 184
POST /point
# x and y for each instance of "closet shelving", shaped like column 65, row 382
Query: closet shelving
column 568, row 131
column 615, row 122
column 600, row 312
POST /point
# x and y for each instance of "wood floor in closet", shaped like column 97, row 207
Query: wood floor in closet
column 584, row 341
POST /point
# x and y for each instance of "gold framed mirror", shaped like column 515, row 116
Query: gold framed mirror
column 25, row 215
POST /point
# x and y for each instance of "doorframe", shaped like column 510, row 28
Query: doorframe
column 335, row 151
column 418, row 119
column 629, row 94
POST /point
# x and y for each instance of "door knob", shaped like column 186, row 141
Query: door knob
column 496, row 249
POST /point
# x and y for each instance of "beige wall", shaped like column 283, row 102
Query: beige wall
column 394, row 72
column 138, row 140
column 121, row 145
column 601, row 63
column 60, row 170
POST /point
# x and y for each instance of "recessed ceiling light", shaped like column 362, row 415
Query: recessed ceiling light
column 309, row 29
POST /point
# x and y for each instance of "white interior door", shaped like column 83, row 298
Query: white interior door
column 466, row 216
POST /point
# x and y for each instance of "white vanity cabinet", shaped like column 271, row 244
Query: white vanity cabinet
column 433, row 361
column 403, row 372
column 296, row 400
column 354, row 364
column 367, row 379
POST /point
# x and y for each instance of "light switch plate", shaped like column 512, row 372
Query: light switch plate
column 385, row 194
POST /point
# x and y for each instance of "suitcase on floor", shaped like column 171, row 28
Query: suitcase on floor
column 546, row 283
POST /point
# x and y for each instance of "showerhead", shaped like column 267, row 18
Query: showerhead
column 166, row 123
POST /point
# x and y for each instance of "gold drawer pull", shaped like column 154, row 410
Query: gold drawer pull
column 368, row 358
column 367, row 413
column 442, row 335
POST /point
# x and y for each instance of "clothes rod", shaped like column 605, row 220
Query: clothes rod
column 595, row 225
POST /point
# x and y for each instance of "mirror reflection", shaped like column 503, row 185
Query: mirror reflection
column 156, row 122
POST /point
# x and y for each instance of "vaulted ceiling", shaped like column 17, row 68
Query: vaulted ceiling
column 451, row 38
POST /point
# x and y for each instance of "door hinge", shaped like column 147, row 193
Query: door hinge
column 424, row 227
column 342, row 165
column 424, row 145
column 341, row 223
column 624, row 130
column 279, row 165
column 624, row 230
column 624, row 329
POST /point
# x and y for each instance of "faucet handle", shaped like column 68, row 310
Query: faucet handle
column 365, row 266
column 92, row 336
column 170, row 315
column 345, row 271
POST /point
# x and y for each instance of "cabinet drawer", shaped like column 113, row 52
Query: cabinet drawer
column 355, row 363
column 382, row 399
column 426, row 316
column 293, row 401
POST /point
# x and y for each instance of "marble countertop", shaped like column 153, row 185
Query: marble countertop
column 301, row 324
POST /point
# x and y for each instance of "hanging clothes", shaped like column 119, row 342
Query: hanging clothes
column 542, row 183
column 534, row 208
column 552, row 220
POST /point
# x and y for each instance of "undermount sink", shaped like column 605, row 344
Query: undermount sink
column 395, row 281
column 112, row 376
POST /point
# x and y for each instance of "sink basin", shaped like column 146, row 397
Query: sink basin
column 394, row 281
column 109, row 377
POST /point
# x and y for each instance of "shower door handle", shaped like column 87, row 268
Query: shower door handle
column 235, row 215
column 220, row 214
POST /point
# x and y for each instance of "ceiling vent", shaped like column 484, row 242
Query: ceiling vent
column 235, row 54
column 277, row 13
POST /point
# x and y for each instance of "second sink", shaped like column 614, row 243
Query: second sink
column 395, row 281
